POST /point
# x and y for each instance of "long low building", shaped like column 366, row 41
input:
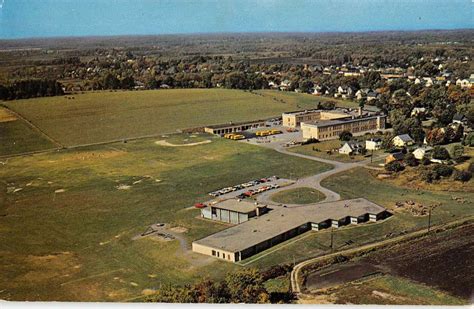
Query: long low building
column 326, row 130
column 279, row 224
column 233, row 127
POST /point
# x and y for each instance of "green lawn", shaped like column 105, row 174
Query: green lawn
column 298, row 196
column 104, row 116
column 66, row 229
column 17, row 137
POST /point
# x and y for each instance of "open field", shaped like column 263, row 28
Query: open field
column 17, row 137
column 298, row 196
column 434, row 269
column 107, row 116
column 67, row 218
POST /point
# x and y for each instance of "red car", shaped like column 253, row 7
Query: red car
column 199, row 205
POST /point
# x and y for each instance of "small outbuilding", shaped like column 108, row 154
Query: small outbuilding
column 233, row 211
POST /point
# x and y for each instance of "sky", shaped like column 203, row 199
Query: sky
column 53, row 18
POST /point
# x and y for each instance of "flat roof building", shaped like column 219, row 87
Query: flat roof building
column 326, row 130
column 231, row 127
column 233, row 211
column 294, row 119
column 244, row 240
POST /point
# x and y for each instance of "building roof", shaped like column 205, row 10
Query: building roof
column 279, row 220
column 405, row 137
column 241, row 206
column 234, row 124
column 327, row 123
column 459, row 117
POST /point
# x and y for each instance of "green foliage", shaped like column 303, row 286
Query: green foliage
column 394, row 166
column 410, row 159
column 246, row 286
column 443, row 170
column 345, row 136
column 457, row 152
column 440, row 153
column 462, row 176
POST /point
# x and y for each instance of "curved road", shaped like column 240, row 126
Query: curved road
column 312, row 181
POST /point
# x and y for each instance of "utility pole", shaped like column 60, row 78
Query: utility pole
column 429, row 219
column 332, row 239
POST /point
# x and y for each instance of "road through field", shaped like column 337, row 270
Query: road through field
column 313, row 181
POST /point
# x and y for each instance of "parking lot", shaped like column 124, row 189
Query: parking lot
column 250, row 188
column 286, row 137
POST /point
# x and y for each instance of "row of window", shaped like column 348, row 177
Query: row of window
column 217, row 253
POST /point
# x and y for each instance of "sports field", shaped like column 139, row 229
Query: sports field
column 68, row 218
column 105, row 116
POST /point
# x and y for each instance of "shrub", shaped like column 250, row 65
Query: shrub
column 310, row 141
column 410, row 159
column 443, row 170
column 440, row 153
column 462, row 176
column 470, row 168
column 429, row 175
column 394, row 166
column 425, row 161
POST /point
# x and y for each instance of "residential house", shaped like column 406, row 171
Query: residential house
column 418, row 111
column 397, row 156
column 422, row 152
column 463, row 83
column 460, row 119
column 402, row 140
column 373, row 144
column 351, row 148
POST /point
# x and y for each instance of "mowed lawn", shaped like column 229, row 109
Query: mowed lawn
column 105, row 116
column 67, row 218
column 17, row 137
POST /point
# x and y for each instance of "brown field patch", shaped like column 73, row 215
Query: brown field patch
column 6, row 115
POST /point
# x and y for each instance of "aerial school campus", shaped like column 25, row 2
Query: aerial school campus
column 202, row 200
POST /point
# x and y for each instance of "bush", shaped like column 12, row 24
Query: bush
column 394, row 166
column 429, row 175
column 443, row 170
column 310, row 141
column 345, row 136
column 462, row 176
column 440, row 153
column 470, row 168
column 425, row 161
column 410, row 159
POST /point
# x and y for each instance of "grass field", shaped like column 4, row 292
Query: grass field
column 298, row 196
column 321, row 149
column 17, row 137
column 67, row 218
column 105, row 116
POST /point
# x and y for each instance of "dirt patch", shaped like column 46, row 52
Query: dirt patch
column 179, row 229
column 6, row 115
column 167, row 144
column 339, row 274
column 415, row 208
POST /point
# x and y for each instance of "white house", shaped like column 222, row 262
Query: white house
column 463, row 83
column 351, row 148
column 373, row 144
column 402, row 140
column 417, row 111
column 422, row 152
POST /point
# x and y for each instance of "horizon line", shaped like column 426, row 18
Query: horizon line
column 236, row 33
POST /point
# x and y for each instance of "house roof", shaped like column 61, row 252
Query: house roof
column 405, row 137
column 459, row 117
